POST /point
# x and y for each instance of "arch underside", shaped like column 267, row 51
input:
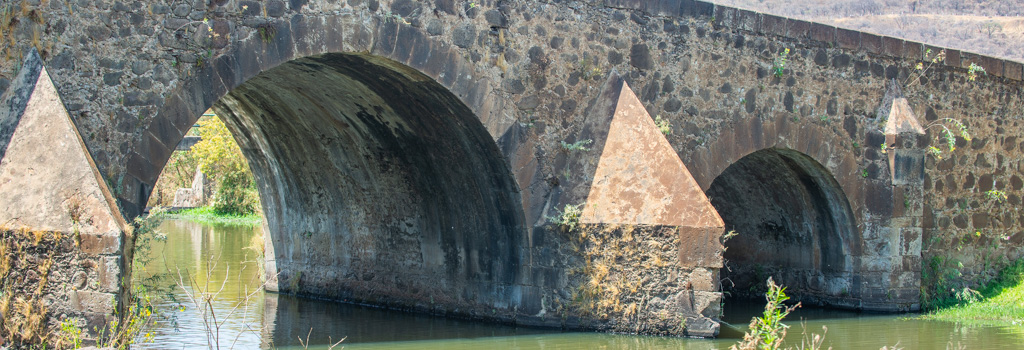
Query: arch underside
column 794, row 224
column 377, row 185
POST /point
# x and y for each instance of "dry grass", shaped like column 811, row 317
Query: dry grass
column 5, row 260
column 24, row 318
column 987, row 27
column 605, row 289
column 23, row 313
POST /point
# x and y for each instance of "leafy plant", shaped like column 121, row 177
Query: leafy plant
column 967, row 295
column 664, row 125
column 767, row 332
column 779, row 65
column 589, row 69
column 923, row 69
column 267, row 32
column 580, row 145
column 127, row 328
column 569, row 218
column 996, row 195
column 72, row 334
column 973, row 70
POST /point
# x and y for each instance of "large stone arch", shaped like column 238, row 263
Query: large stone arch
column 234, row 64
column 380, row 182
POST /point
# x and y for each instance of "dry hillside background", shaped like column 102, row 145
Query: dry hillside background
column 990, row 27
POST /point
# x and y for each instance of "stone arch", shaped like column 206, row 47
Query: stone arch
column 795, row 224
column 803, row 180
column 404, row 45
column 379, row 179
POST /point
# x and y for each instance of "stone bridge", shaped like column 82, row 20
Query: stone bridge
column 415, row 154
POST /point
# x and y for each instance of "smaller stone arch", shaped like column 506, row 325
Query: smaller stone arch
column 794, row 224
column 872, row 275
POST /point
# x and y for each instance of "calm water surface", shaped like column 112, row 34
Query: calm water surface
column 278, row 321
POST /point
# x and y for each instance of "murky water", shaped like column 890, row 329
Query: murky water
column 217, row 258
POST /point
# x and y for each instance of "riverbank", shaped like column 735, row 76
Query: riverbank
column 208, row 216
column 999, row 303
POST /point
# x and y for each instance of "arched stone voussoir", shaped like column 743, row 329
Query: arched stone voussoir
column 754, row 134
column 387, row 42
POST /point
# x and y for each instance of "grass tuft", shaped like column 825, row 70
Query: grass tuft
column 207, row 215
column 999, row 303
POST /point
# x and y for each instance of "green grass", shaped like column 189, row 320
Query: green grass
column 206, row 215
column 1001, row 302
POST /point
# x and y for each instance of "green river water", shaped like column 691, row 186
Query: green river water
column 270, row 320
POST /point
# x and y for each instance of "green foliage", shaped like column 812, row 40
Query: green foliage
column 769, row 327
column 130, row 323
column 996, row 195
column 220, row 158
column 939, row 278
column 580, row 145
column 767, row 332
column 973, row 70
column 72, row 334
column 779, row 65
column 145, row 235
column 569, row 218
column 178, row 173
column 209, row 215
column 589, row 69
column 267, row 32
column 1000, row 302
column 664, row 125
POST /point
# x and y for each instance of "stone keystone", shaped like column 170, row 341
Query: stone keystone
column 640, row 180
column 48, row 180
column 900, row 119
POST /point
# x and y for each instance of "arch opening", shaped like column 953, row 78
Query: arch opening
column 378, row 186
column 794, row 224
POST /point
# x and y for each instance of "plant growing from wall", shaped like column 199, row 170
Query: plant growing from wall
column 569, row 218
column 779, row 65
column 664, row 125
column 580, row 145
column 949, row 128
column 996, row 195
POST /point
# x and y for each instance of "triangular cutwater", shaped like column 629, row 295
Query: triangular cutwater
column 48, row 180
column 640, row 179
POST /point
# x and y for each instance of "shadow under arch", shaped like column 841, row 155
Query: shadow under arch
column 378, row 186
column 795, row 224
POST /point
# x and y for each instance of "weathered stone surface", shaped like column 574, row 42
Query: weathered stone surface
column 128, row 127
column 47, row 177
column 50, row 186
column 639, row 178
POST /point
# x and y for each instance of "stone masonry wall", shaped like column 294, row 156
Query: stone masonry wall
column 49, row 278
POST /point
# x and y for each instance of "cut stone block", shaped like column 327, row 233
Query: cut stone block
column 899, row 119
column 47, row 178
column 640, row 179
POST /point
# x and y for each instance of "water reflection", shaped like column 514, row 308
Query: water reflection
column 278, row 321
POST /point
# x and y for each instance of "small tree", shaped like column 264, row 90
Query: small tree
column 221, row 159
